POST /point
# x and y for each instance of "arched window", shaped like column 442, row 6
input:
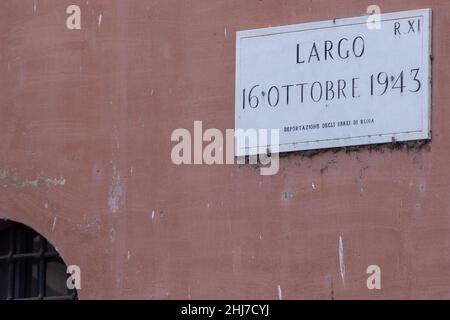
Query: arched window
column 30, row 267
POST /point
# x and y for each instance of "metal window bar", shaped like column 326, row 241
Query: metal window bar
column 19, row 285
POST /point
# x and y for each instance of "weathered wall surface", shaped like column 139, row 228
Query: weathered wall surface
column 85, row 124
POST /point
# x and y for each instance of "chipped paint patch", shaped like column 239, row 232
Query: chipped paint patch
column 115, row 192
column 4, row 173
column 285, row 196
column 40, row 181
column 112, row 235
column 54, row 224
column 341, row 259
column 280, row 293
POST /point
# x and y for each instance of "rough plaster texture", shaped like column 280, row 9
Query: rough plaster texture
column 85, row 124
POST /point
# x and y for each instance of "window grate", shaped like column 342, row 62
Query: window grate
column 30, row 267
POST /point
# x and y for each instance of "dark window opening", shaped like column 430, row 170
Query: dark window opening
column 30, row 267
